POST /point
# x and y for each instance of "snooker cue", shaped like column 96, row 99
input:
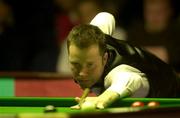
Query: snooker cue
column 84, row 95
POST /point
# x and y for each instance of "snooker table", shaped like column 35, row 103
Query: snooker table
column 33, row 107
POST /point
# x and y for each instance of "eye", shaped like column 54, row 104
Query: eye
column 90, row 65
column 76, row 65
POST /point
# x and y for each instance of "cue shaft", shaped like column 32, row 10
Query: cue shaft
column 84, row 95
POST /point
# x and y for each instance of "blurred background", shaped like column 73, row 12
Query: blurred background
column 33, row 39
column 33, row 33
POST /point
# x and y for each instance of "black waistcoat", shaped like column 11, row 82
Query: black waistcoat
column 162, row 79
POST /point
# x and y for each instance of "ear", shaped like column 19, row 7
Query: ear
column 105, row 58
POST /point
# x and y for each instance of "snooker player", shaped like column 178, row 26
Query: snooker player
column 115, row 69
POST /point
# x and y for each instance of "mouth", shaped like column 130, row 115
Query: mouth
column 84, row 81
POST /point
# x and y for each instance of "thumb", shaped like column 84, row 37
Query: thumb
column 100, row 105
column 75, row 107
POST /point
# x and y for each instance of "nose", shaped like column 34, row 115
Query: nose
column 83, row 72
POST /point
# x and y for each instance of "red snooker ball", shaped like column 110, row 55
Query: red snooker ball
column 137, row 104
column 153, row 104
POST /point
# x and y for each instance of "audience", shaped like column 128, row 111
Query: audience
column 45, row 24
column 158, row 32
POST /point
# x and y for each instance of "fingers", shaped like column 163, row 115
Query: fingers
column 75, row 107
column 100, row 105
column 77, row 99
column 88, row 105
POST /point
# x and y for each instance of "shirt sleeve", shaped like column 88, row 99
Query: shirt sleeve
column 105, row 21
column 127, row 81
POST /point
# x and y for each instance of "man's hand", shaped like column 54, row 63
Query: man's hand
column 100, row 102
column 89, row 103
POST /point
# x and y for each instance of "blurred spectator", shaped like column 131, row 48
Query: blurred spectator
column 88, row 9
column 31, row 46
column 72, row 13
column 158, row 32
column 116, row 7
column 6, row 17
column 6, row 33
column 38, row 49
column 65, row 19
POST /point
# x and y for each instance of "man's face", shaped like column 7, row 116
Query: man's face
column 157, row 13
column 87, row 64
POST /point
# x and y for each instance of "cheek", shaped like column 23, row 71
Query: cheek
column 97, row 71
column 74, row 70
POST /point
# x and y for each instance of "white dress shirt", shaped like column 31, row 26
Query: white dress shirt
column 127, row 81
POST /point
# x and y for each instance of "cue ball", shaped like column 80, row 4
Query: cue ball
column 153, row 104
column 50, row 108
column 137, row 104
